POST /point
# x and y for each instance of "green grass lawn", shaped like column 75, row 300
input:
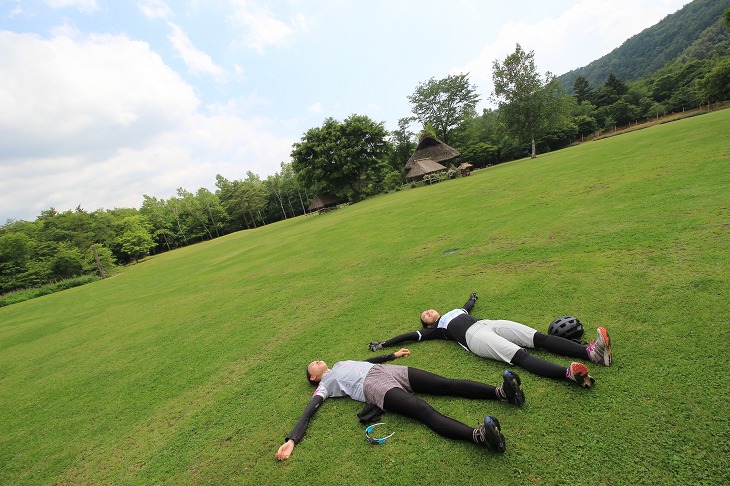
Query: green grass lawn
column 189, row 367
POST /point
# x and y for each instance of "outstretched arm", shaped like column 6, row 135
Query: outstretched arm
column 389, row 357
column 470, row 303
column 297, row 433
column 422, row 335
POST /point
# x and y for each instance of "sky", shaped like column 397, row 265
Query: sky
column 105, row 101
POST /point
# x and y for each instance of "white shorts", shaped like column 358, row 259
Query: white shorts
column 499, row 340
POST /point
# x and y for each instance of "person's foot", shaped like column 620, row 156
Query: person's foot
column 490, row 435
column 511, row 388
column 578, row 372
column 599, row 351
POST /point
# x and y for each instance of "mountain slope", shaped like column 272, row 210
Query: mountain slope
column 694, row 31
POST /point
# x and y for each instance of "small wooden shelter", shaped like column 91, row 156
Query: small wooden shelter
column 325, row 202
column 465, row 168
column 433, row 149
column 422, row 167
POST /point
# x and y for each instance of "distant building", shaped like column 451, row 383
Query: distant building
column 423, row 167
column 431, row 156
column 325, row 202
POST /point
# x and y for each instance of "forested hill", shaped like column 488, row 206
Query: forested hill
column 694, row 31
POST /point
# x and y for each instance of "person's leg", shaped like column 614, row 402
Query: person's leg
column 599, row 351
column 538, row 366
column 577, row 372
column 425, row 382
column 559, row 345
column 487, row 434
column 400, row 401
column 483, row 341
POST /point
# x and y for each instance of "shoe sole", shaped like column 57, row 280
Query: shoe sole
column 512, row 379
column 502, row 446
column 607, row 356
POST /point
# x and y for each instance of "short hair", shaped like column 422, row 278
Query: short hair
column 424, row 323
column 309, row 377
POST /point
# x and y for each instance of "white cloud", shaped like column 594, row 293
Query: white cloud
column 316, row 108
column 101, row 92
column 580, row 35
column 101, row 121
column 196, row 60
column 263, row 28
column 154, row 9
column 86, row 6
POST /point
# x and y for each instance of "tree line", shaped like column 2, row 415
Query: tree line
column 357, row 158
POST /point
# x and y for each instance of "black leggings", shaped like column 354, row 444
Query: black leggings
column 554, row 344
column 559, row 345
column 400, row 401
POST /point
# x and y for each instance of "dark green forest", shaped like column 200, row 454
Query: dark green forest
column 695, row 32
column 682, row 64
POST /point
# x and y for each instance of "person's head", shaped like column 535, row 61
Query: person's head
column 315, row 370
column 429, row 318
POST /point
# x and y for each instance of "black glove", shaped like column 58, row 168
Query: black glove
column 473, row 296
column 375, row 345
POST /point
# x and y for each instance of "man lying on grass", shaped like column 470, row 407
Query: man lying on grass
column 391, row 388
column 503, row 340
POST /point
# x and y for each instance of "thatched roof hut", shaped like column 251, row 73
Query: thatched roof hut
column 325, row 201
column 431, row 148
column 422, row 167
column 465, row 168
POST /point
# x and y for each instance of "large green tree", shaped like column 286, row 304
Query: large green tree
column 340, row 157
column 445, row 104
column 716, row 84
column 403, row 142
column 582, row 89
column 529, row 105
column 135, row 238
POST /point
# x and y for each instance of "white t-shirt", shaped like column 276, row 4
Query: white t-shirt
column 346, row 378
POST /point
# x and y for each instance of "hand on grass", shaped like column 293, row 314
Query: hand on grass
column 402, row 352
column 285, row 450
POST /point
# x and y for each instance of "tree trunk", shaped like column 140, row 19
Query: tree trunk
column 533, row 154
column 302, row 202
column 98, row 262
column 281, row 204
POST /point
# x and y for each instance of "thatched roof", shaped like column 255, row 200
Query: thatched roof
column 324, row 201
column 465, row 165
column 422, row 167
column 436, row 150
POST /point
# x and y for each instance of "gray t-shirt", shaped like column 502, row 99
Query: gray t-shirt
column 346, row 378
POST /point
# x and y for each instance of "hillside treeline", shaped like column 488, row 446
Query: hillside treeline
column 73, row 243
column 693, row 32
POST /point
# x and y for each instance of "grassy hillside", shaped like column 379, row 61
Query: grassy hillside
column 189, row 367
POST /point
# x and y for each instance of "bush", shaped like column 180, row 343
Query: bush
column 27, row 294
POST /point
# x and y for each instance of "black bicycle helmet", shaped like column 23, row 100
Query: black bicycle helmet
column 567, row 327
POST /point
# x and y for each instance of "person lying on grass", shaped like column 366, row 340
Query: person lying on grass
column 503, row 340
column 391, row 388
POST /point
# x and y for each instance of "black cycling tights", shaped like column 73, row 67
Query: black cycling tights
column 400, row 401
column 537, row 365
column 554, row 344
column 559, row 345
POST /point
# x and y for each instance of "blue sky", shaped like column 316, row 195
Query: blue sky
column 103, row 101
